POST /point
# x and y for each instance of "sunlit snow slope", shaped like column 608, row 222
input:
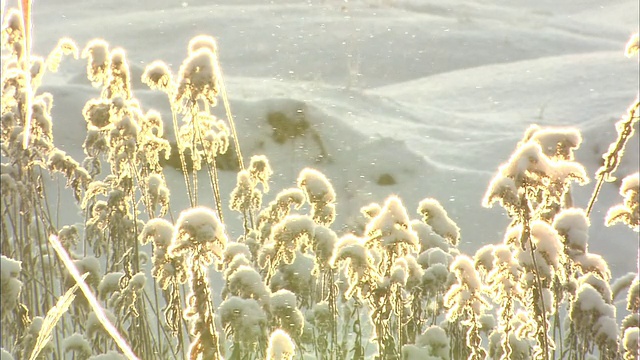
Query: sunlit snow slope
column 434, row 93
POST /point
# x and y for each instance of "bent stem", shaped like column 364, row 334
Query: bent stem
column 616, row 150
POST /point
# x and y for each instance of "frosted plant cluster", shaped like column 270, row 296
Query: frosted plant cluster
column 295, row 284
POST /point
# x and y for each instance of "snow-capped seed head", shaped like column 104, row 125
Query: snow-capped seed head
column 158, row 230
column 245, row 318
column 630, row 341
column 65, row 46
column 158, row 76
column 246, row 283
column 235, row 249
column 97, row 113
column 436, row 339
column 483, row 258
column 399, row 272
column 573, row 226
column 293, row 232
column 199, row 232
column 202, row 42
column 428, row 238
column 197, row 78
column 322, row 317
column 324, row 245
column 281, row 347
column 283, row 308
column 296, row 276
column 436, row 216
column 599, row 284
column 260, row 171
column 109, row 284
column 371, row 210
column 76, row 344
column 466, row 273
column 244, row 196
column 502, row 190
column 9, row 284
column 97, row 53
column 629, row 211
column 557, row 143
column 589, row 262
column 152, row 123
column 13, row 32
column 316, row 186
column 392, row 227
column 119, row 81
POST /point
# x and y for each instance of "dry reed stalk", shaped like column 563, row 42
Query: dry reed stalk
column 93, row 302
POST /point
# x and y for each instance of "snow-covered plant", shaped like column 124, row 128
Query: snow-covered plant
column 9, row 284
column 199, row 236
column 245, row 324
column 594, row 323
column 629, row 211
column 320, row 194
column 285, row 314
column 506, row 290
column 465, row 304
column 434, row 215
column 281, row 347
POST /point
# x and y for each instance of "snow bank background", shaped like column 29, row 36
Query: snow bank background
column 414, row 98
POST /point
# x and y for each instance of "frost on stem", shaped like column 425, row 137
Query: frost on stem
column 629, row 211
column 504, row 287
column 198, row 232
column 434, row 215
column 99, row 61
column 281, row 347
column 320, row 194
column 9, row 284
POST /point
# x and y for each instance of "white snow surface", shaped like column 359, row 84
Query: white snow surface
column 434, row 93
